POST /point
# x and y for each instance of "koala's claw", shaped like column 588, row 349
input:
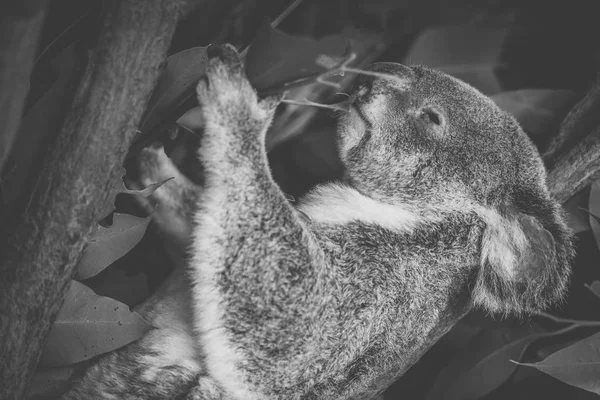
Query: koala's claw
column 227, row 55
column 225, row 83
column 226, row 94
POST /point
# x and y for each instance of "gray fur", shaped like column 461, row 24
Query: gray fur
column 309, row 308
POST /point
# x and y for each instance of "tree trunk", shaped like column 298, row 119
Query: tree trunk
column 79, row 170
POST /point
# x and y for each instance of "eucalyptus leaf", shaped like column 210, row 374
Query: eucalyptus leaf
column 577, row 364
column 109, row 244
column 469, row 52
column 88, row 325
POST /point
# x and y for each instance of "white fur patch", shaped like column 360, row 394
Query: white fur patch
column 173, row 347
column 221, row 356
column 502, row 243
column 482, row 298
column 339, row 204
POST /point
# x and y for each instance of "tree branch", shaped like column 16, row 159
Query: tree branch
column 20, row 24
column 79, row 170
column 581, row 120
column 576, row 169
column 573, row 157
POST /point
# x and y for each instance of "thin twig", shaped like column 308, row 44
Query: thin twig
column 560, row 331
column 340, row 69
column 286, row 13
column 317, row 77
column 289, row 9
column 575, row 322
column 306, row 102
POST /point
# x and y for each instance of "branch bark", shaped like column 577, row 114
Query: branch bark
column 40, row 254
column 20, row 24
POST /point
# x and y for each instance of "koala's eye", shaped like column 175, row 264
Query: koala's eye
column 430, row 116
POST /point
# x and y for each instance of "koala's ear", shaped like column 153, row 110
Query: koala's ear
column 525, row 259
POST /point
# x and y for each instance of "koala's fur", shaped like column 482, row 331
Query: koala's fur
column 443, row 206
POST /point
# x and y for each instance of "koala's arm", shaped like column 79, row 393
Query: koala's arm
column 254, row 260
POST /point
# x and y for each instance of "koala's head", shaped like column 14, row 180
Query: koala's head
column 427, row 134
column 418, row 136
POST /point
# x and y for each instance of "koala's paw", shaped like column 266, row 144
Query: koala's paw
column 154, row 166
column 226, row 95
column 177, row 198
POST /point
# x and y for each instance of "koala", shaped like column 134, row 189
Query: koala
column 443, row 207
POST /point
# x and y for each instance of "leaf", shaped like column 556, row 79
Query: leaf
column 117, row 283
column 88, row 325
column 468, row 52
column 50, row 382
column 383, row 7
column 39, row 125
column 480, row 371
column 576, row 220
column 275, row 58
column 459, row 337
column 192, row 120
column 77, row 29
column 594, row 210
column 110, row 244
column 577, row 365
column 538, row 111
column 175, row 86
